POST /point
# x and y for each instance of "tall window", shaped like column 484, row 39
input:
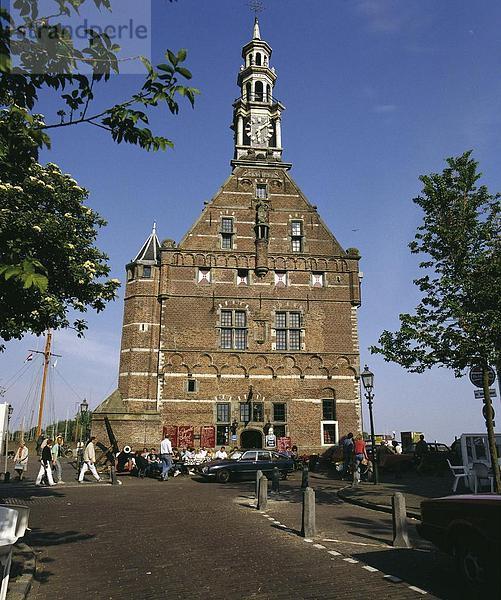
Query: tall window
column 261, row 190
column 146, row 272
column 297, row 236
column 226, row 233
column 223, row 412
column 288, row 330
column 329, row 409
column 279, row 412
column 233, row 329
column 245, row 415
column 257, row 412
column 243, row 277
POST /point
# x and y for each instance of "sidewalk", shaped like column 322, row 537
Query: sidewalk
column 414, row 487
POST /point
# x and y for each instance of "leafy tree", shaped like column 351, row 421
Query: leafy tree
column 457, row 323
column 48, row 262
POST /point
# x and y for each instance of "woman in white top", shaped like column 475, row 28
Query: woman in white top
column 21, row 460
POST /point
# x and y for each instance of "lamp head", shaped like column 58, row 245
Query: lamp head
column 367, row 379
column 84, row 406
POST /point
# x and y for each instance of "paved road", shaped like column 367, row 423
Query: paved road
column 186, row 538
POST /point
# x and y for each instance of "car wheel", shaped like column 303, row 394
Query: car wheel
column 472, row 561
column 223, row 476
column 284, row 475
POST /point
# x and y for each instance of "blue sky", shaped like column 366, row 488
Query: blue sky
column 377, row 92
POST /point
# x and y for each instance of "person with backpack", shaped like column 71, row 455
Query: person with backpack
column 57, row 453
column 89, row 458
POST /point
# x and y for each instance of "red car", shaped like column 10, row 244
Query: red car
column 469, row 528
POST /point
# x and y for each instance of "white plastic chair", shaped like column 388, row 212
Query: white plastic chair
column 459, row 472
column 8, row 537
column 481, row 473
column 23, row 514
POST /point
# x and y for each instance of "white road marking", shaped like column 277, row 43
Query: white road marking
column 319, row 546
column 370, row 569
column 334, row 553
column 307, row 540
column 418, row 590
column 356, row 543
column 351, row 560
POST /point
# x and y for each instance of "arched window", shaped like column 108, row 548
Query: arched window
column 258, row 59
column 268, row 93
column 258, row 91
column 248, row 90
column 265, row 61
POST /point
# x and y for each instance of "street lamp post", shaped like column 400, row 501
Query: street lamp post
column 368, row 383
column 10, row 410
column 84, row 411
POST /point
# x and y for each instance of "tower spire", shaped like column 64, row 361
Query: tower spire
column 257, row 34
column 257, row 113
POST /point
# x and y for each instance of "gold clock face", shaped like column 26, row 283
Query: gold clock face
column 259, row 129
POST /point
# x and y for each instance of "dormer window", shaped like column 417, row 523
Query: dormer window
column 297, row 236
column 261, row 191
column 227, row 233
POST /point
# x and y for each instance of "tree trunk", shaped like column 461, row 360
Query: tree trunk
column 490, row 430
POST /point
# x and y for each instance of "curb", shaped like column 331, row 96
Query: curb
column 20, row 587
column 372, row 506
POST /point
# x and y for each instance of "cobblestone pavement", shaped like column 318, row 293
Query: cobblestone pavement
column 365, row 535
column 188, row 538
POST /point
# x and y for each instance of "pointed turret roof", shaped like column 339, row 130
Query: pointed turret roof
column 150, row 251
column 257, row 34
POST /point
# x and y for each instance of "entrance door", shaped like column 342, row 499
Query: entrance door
column 251, row 438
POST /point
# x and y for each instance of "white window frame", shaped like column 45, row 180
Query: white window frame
column 143, row 327
column 322, row 423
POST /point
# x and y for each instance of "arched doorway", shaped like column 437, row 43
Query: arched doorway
column 251, row 438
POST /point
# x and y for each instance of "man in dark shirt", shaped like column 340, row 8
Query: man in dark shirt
column 46, row 464
column 421, row 452
column 347, row 445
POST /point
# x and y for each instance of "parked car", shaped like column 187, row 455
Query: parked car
column 469, row 528
column 245, row 465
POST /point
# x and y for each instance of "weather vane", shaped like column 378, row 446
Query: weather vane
column 256, row 6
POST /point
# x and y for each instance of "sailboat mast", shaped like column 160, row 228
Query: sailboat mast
column 44, row 381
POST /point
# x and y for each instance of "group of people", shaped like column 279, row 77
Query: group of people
column 169, row 460
column 354, row 457
column 51, row 452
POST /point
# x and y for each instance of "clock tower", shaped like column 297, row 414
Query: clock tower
column 256, row 115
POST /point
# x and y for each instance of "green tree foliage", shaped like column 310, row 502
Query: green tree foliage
column 49, row 265
column 457, row 324
column 49, row 262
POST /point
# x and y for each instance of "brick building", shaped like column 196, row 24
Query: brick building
column 250, row 321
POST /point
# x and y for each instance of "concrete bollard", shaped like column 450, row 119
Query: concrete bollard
column 399, row 518
column 275, row 481
column 262, row 500
column 259, row 474
column 305, row 477
column 308, row 525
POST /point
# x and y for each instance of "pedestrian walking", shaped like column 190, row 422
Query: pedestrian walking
column 166, row 457
column 57, row 453
column 347, row 454
column 361, row 457
column 420, row 453
column 46, row 465
column 89, row 458
column 21, row 460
